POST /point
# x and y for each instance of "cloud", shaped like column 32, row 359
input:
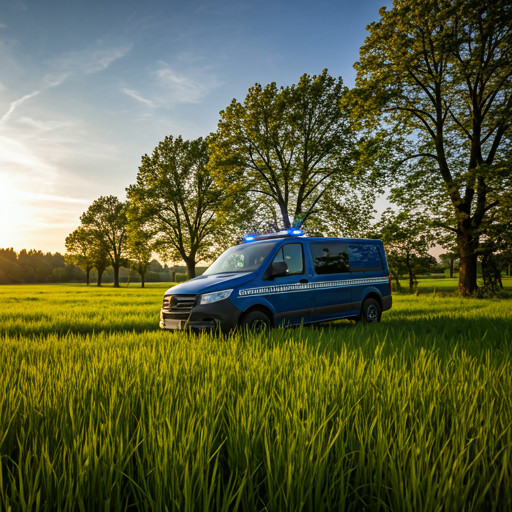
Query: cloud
column 16, row 103
column 23, row 194
column 88, row 61
column 14, row 152
column 45, row 126
column 2, row 25
column 180, row 88
column 134, row 94
column 54, row 80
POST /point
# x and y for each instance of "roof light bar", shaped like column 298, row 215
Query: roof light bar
column 280, row 234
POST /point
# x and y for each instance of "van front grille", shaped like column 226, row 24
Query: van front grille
column 179, row 303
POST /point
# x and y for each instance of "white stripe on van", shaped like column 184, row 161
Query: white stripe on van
column 305, row 287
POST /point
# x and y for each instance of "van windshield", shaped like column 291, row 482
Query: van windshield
column 241, row 258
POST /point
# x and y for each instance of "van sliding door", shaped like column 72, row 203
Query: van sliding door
column 333, row 296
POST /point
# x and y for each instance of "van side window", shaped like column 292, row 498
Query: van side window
column 330, row 257
column 364, row 257
column 291, row 254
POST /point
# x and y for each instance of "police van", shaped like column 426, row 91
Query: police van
column 283, row 279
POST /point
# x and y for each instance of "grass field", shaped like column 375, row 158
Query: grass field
column 100, row 410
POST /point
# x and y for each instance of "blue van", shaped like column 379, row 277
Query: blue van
column 283, row 279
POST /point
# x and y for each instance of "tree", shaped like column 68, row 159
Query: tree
column 101, row 260
column 176, row 197
column 436, row 77
column 449, row 259
column 407, row 238
column 496, row 244
column 106, row 220
column 287, row 146
column 140, row 249
column 80, row 247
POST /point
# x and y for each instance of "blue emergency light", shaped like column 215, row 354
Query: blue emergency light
column 280, row 234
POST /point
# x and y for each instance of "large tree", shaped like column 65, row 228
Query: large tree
column 288, row 145
column 106, row 220
column 176, row 197
column 80, row 250
column 436, row 76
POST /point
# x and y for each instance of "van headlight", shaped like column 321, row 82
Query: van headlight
column 208, row 298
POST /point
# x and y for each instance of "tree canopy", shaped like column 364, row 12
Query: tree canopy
column 176, row 197
column 287, row 146
column 80, row 249
column 434, row 84
column 106, row 220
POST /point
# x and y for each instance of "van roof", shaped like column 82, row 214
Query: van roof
column 267, row 238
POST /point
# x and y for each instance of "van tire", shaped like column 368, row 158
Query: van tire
column 256, row 322
column 371, row 311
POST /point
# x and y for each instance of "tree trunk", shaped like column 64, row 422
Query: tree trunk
column 142, row 275
column 397, row 279
column 116, row 275
column 191, row 267
column 286, row 218
column 88, row 272
column 451, row 267
column 100, row 274
column 468, row 264
column 411, row 274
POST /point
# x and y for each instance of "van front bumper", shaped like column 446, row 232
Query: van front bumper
column 221, row 315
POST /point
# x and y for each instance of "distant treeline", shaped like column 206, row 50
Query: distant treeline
column 34, row 266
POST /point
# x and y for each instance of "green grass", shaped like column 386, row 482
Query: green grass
column 100, row 410
column 446, row 284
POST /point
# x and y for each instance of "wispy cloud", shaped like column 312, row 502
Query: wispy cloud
column 87, row 61
column 91, row 60
column 15, row 104
column 45, row 126
column 2, row 25
column 15, row 155
column 22, row 194
column 181, row 88
column 134, row 94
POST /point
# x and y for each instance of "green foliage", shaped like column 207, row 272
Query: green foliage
column 411, row 414
column 140, row 247
column 80, row 249
column 407, row 238
column 292, row 149
column 106, row 220
column 34, row 266
column 177, row 199
column 436, row 78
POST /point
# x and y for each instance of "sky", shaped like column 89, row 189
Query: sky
column 88, row 88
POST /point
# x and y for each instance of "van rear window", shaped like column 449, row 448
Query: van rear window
column 330, row 257
column 364, row 257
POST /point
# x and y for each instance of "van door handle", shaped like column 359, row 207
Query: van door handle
column 303, row 281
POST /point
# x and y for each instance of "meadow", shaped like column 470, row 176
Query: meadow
column 100, row 410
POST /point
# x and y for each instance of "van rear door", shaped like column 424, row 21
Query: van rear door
column 367, row 268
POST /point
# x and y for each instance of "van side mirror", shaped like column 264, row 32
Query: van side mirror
column 276, row 270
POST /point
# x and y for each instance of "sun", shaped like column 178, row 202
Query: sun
column 13, row 216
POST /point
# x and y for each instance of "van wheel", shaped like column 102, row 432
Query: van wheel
column 256, row 322
column 371, row 311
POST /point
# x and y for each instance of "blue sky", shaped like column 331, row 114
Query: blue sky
column 87, row 88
